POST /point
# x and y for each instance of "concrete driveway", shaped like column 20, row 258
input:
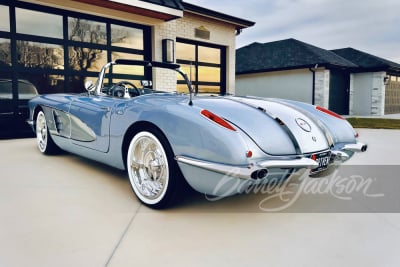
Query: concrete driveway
column 68, row 211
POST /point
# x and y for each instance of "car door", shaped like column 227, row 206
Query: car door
column 90, row 121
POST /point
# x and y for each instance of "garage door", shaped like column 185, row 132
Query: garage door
column 392, row 95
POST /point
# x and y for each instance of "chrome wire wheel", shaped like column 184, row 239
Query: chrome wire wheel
column 148, row 168
column 41, row 132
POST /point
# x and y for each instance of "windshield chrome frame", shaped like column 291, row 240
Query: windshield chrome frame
column 174, row 67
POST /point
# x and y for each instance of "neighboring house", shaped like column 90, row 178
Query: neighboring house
column 374, row 85
column 296, row 70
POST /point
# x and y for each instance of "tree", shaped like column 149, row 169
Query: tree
column 82, row 58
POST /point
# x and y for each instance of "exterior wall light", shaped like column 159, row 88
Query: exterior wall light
column 168, row 50
column 386, row 80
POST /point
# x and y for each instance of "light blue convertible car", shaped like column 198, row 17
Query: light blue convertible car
column 168, row 140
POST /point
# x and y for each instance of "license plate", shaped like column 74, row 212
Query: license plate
column 322, row 159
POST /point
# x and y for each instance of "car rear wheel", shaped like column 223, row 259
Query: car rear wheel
column 45, row 144
column 153, row 173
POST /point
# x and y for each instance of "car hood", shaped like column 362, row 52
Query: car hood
column 276, row 128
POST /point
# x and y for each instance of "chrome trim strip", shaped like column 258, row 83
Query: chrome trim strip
column 284, row 126
column 291, row 163
column 244, row 172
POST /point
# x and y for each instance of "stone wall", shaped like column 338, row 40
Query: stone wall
column 367, row 94
column 321, row 95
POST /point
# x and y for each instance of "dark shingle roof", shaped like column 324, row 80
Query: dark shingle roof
column 285, row 54
column 367, row 61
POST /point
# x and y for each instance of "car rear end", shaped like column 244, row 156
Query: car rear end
column 274, row 140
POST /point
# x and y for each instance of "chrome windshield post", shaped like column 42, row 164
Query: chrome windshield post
column 189, row 85
column 102, row 75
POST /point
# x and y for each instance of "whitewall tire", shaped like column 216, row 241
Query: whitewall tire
column 44, row 141
column 153, row 172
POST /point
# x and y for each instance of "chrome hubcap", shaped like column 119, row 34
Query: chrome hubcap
column 148, row 166
column 41, row 132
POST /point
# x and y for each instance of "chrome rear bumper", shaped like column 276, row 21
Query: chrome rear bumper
column 258, row 170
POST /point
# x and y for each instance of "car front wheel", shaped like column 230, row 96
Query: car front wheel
column 45, row 144
column 153, row 173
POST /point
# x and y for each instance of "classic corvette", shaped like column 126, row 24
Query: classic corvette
column 168, row 140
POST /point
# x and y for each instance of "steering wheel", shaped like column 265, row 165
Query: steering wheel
column 118, row 89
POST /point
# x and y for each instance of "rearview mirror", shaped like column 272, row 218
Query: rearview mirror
column 89, row 86
column 146, row 83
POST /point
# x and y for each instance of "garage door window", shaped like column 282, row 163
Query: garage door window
column 204, row 64
column 58, row 50
column 4, row 19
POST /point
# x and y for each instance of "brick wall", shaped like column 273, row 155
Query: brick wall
column 220, row 34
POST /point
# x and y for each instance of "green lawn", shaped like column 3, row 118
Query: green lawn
column 374, row 123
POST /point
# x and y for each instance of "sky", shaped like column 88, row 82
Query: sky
column 372, row 26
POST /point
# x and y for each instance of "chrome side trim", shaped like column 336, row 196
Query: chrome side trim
column 244, row 172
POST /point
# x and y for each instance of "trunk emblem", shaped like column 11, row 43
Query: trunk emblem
column 303, row 124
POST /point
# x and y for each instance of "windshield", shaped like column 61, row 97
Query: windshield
column 122, row 78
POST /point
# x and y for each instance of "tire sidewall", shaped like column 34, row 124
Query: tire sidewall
column 164, row 199
column 50, row 148
column 44, row 149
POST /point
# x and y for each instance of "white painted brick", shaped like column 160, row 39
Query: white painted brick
column 220, row 33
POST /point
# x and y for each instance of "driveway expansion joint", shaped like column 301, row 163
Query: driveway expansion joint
column 123, row 235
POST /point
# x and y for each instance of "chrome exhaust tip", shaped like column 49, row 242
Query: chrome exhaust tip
column 358, row 147
column 259, row 174
column 364, row 148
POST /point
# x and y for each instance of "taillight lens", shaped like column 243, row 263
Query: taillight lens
column 215, row 118
column 327, row 111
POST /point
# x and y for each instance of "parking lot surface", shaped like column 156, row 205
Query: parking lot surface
column 65, row 210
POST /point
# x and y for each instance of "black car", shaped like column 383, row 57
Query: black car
column 14, row 112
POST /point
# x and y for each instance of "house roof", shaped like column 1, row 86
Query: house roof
column 367, row 62
column 238, row 22
column 167, row 10
column 177, row 4
column 158, row 9
column 284, row 55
